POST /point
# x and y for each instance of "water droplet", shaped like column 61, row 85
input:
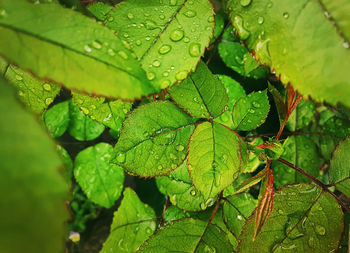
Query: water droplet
column 46, row 86
column 256, row 104
column 195, row 49
column 48, row 101
column 130, row 16
column 160, row 167
column 19, row 78
column 125, row 111
column 149, row 230
column 181, row 75
column 177, row 35
column 245, row 3
column 110, row 19
column 150, row 76
column 164, row 49
column 193, row 192
column 203, row 206
column 211, row 19
column 280, row 211
column 251, row 110
column 320, row 230
column 286, row 15
column 111, row 52
column 269, row 5
column 87, row 48
column 3, row 13
column 173, row 199
column 260, row 20
column 156, row 63
column 150, row 25
column 121, row 157
column 165, row 84
column 209, row 249
column 180, row 147
column 172, row 156
column 346, row 44
column 190, row 14
column 238, row 23
column 209, row 202
column 21, row 93
column 173, row 2
column 84, row 110
column 239, row 217
column 96, row 44
column 161, row 17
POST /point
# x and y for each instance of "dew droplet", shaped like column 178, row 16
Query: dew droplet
column 177, row 35
column 156, row 63
column 3, row 13
column 193, row 192
column 173, row 199
column 111, row 52
column 245, row 3
column 84, row 110
column 181, row 75
column 21, row 93
column 164, row 49
column 161, row 17
column 110, row 19
column 320, row 230
column 48, row 101
column 286, row 15
column 165, row 84
column 96, row 44
column 238, row 23
column 180, row 147
column 46, row 86
column 130, row 16
column 190, row 14
column 195, row 49
column 260, row 20
column 149, row 230
column 160, row 167
column 121, row 157
column 209, row 249
column 346, row 44
column 239, row 217
column 173, row 2
column 150, row 76
column 87, row 48
column 19, row 78
column 280, row 211
column 203, row 206
column 211, row 19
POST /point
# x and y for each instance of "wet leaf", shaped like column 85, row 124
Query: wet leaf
column 51, row 42
column 133, row 223
column 57, row 119
column 99, row 10
column 300, row 221
column 202, row 95
column 301, row 117
column 154, row 139
column 282, row 37
column 101, row 181
column 216, row 156
column 168, row 37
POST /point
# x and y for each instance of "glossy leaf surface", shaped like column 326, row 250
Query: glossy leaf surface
column 57, row 119
column 168, row 37
column 154, row 139
column 44, row 40
column 281, row 35
column 101, row 180
column 133, row 223
column 202, row 95
column 216, row 156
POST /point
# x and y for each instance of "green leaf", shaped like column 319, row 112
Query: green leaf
column 339, row 171
column 301, row 116
column 133, row 223
column 304, row 219
column 302, row 152
column 236, row 210
column 337, row 126
column 251, row 111
column 249, row 182
column 216, row 156
column 66, row 47
column 101, row 181
column 33, row 193
column 202, row 95
column 99, row 10
column 82, row 127
column 281, row 35
column 35, row 94
column 109, row 113
column 188, row 235
column 178, row 186
column 219, row 25
column 168, row 37
column 57, row 119
column 234, row 91
column 238, row 58
column 173, row 213
column 154, row 139
column 281, row 106
column 67, row 170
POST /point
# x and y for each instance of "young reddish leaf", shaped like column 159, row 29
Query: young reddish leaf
column 250, row 182
column 265, row 206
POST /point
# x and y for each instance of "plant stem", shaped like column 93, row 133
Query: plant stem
column 316, row 181
column 285, row 133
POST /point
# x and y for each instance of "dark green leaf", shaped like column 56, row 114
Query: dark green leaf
column 339, row 171
column 168, row 37
column 216, row 157
column 64, row 46
column 281, row 107
column 57, row 119
column 33, row 192
column 188, row 235
column 154, row 139
column 67, row 170
column 132, row 224
column 101, row 181
column 251, row 111
column 99, row 10
column 304, row 219
column 178, row 186
column 301, row 117
column 299, row 51
column 202, row 95
column 173, row 213
column 336, row 126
